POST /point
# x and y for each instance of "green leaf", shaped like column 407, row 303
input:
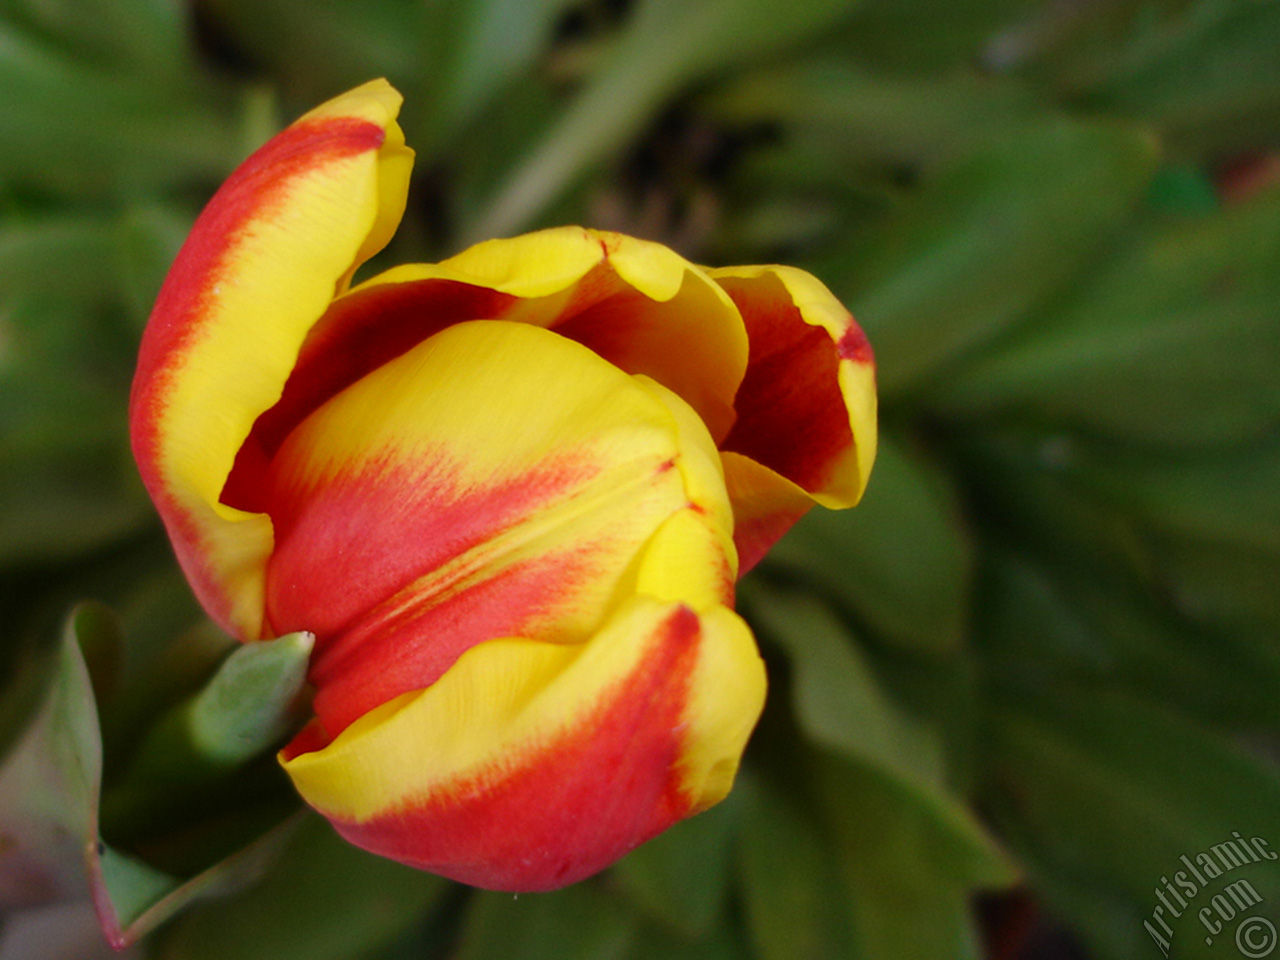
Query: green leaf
column 1171, row 341
column 513, row 126
column 174, row 651
column 666, row 46
column 985, row 240
column 864, row 117
column 1219, row 500
column 133, row 899
column 909, row 883
column 66, row 476
column 128, row 887
column 64, row 518
column 775, row 223
column 141, row 134
column 1049, row 624
column 1227, row 498
column 927, row 35
column 49, row 789
column 1014, row 481
column 1183, row 190
column 146, row 589
column 1095, row 789
column 1232, row 588
column 323, row 900
column 250, row 705
column 478, row 48
column 25, row 668
column 147, row 241
column 578, row 923
column 49, row 786
column 1208, row 76
column 655, row 943
column 681, row 877
column 317, row 50
column 100, row 634
column 1160, row 570
column 1110, row 586
column 1071, row 51
column 63, row 347
column 838, row 698
column 901, row 560
column 138, row 35
column 789, row 879
column 865, row 874
column 68, row 256
column 840, row 704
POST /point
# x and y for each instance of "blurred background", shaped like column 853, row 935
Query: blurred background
column 1036, row 668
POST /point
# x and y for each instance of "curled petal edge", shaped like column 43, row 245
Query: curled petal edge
column 637, row 304
column 278, row 240
column 806, row 429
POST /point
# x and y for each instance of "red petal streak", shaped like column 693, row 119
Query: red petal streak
column 397, row 585
column 791, row 413
column 676, row 342
column 855, row 346
column 612, row 319
column 569, row 808
column 255, row 191
column 347, row 545
column 409, row 641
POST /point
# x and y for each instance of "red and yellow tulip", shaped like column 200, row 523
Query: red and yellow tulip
column 509, row 493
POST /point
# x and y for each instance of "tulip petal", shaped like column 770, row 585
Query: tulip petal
column 532, row 765
column 765, row 506
column 806, row 410
column 496, row 480
column 635, row 303
column 267, row 255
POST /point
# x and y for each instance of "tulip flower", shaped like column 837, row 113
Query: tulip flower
column 509, row 493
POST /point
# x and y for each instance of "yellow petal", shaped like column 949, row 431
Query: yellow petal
column 262, row 263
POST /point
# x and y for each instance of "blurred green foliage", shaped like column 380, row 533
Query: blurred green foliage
column 1037, row 665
